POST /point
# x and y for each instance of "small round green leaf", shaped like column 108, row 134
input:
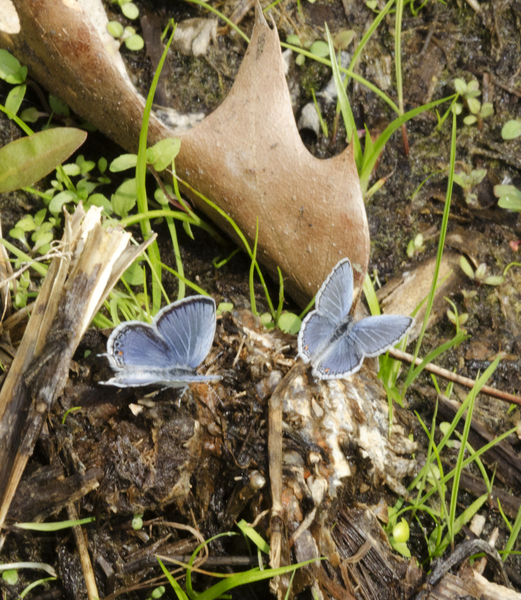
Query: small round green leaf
column 511, row 129
column 289, row 323
column 72, row 169
column 130, row 10
column 494, row 280
column 163, row 153
column 18, row 233
column 134, row 275
column 509, row 202
column 135, row 42
column 125, row 198
column 224, row 307
column 115, row 28
column 319, row 48
column 486, row 110
column 58, row 106
column 401, row 532
column 15, row 98
column 10, row 68
column 99, row 200
column 123, row 162
column 460, row 86
column 10, row 576
column 474, row 105
column 466, row 268
column 42, row 244
column 59, row 200
column 294, row 40
column 30, row 115
column 158, row 592
column 265, row 318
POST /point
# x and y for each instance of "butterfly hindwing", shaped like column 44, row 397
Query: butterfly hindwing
column 188, row 327
column 166, row 377
column 343, row 358
column 314, row 334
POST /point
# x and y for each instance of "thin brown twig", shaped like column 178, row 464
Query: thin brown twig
column 459, row 379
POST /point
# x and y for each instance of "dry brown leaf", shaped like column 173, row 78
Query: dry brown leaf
column 247, row 156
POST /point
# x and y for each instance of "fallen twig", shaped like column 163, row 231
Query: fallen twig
column 459, row 379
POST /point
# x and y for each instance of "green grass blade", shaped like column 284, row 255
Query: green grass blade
column 38, row 267
column 352, row 74
column 345, row 107
column 459, row 467
column 513, row 536
column 240, row 235
column 368, row 34
column 54, row 526
column 441, row 244
column 398, row 52
column 370, row 296
column 173, row 582
column 252, row 272
column 251, row 576
column 370, row 162
column 457, row 339
column 141, row 170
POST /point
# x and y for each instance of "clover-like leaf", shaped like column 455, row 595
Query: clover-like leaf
column 466, row 268
column 460, row 86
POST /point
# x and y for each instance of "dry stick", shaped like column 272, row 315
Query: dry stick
column 465, row 381
column 83, row 551
column 275, row 465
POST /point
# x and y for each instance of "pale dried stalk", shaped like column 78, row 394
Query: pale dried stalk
column 74, row 288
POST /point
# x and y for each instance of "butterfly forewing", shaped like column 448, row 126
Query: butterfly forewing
column 137, row 344
column 335, row 297
column 375, row 335
column 188, row 327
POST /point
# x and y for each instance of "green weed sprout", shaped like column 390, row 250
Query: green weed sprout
column 509, row 197
column 415, row 246
column 432, row 479
column 126, row 35
column 469, row 92
column 455, row 318
column 468, row 181
column 128, row 8
column 480, row 274
column 11, row 71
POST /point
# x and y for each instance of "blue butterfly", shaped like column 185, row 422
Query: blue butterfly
column 168, row 351
column 332, row 342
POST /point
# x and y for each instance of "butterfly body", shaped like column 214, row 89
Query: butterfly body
column 166, row 352
column 332, row 341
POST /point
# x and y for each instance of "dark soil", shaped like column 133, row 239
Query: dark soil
column 196, row 481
